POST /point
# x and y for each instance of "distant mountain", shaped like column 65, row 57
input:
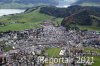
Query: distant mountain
column 60, row 12
column 88, row 2
column 65, row 12
column 79, row 15
column 31, row 3
column 54, row 11
column 28, row 1
column 24, row 3
column 91, row 1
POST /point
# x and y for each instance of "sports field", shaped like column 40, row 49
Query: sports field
column 53, row 52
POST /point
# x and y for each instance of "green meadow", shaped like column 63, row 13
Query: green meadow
column 24, row 21
column 96, row 58
column 93, row 28
column 53, row 52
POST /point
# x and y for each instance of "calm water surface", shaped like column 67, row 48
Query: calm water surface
column 10, row 11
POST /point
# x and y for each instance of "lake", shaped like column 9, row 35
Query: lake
column 10, row 11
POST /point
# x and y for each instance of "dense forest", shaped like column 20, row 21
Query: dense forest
column 81, row 15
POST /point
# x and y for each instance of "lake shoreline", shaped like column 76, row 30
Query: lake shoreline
column 10, row 11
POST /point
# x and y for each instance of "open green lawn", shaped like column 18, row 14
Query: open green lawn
column 23, row 21
column 18, row 27
column 92, row 49
column 53, row 52
column 89, row 28
column 96, row 58
column 97, row 61
column 58, row 21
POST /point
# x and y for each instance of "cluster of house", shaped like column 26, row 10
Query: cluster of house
column 91, row 39
column 27, row 43
column 21, row 57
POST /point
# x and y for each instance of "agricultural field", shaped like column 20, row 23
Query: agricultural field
column 93, row 28
column 53, row 52
column 96, row 58
column 24, row 21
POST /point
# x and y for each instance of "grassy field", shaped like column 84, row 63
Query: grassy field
column 92, row 49
column 58, row 21
column 89, row 28
column 53, row 52
column 23, row 21
column 96, row 58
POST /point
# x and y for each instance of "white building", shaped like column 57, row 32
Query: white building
column 62, row 52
